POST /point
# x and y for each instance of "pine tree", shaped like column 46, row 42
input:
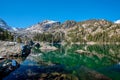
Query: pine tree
column 19, row 40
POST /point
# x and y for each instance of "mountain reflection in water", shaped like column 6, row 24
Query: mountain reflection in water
column 103, row 60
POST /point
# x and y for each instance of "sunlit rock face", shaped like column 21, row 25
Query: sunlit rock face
column 43, row 26
column 9, row 49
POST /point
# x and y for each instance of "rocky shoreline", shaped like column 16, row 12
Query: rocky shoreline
column 8, row 49
column 9, row 54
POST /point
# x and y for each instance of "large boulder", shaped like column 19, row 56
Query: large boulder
column 9, row 49
column 10, row 43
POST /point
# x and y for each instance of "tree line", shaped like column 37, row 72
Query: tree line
column 6, row 35
column 49, row 37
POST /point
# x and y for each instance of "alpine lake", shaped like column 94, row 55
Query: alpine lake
column 103, row 59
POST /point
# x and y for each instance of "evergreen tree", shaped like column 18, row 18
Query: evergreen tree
column 19, row 40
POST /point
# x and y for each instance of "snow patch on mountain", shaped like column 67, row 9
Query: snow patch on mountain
column 15, row 29
column 4, row 25
column 49, row 22
column 117, row 22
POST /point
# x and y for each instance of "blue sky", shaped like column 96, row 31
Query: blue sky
column 23, row 13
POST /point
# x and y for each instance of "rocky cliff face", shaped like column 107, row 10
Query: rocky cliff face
column 69, row 24
column 94, row 30
column 43, row 26
column 5, row 26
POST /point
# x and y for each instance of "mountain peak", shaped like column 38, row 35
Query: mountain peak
column 5, row 26
column 48, row 22
column 43, row 26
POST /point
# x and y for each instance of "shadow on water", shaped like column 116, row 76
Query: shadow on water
column 9, row 65
column 33, row 72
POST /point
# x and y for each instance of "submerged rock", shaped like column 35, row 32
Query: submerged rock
column 57, row 76
column 88, row 74
column 48, row 48
column 82, row 52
